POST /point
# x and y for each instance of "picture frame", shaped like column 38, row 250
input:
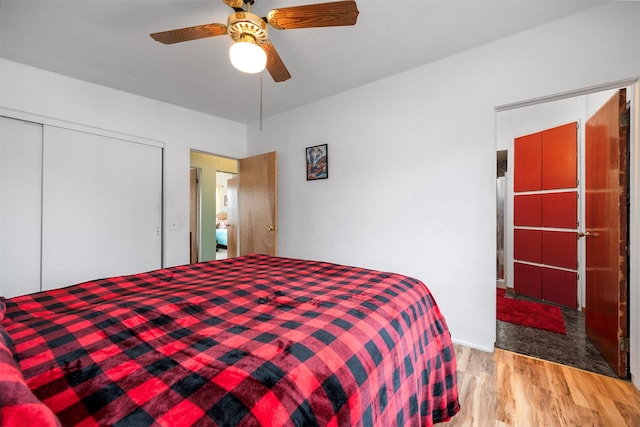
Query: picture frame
column 317, row 157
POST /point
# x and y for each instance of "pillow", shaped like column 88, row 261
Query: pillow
column 18, row 405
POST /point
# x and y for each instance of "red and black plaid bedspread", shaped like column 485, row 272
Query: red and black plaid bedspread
column 255, row 340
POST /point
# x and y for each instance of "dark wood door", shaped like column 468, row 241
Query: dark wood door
column 258, row 204
column 606, row 189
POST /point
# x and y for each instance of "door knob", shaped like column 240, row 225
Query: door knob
column 587, row 234
column 271, row 228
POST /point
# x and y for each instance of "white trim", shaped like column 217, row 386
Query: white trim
column 634, row 235
column 52, row 121
column 568, row 94
column 473, row 345
column 551, row 267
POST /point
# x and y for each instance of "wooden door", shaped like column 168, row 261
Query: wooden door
column 257, row 204
column 232, row 218
column 545, row 215
column 606, row 186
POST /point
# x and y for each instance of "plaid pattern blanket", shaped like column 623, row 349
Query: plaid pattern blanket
column 249, row 341
column 18, row 405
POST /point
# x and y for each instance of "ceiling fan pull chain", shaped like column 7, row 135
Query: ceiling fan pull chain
column 261, row 73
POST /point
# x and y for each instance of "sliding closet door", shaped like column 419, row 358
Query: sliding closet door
column 101, row 207
column 20, row 206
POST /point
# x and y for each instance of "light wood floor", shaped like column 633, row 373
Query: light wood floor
column 509, row 389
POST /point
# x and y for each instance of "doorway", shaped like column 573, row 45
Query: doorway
column 574, row 348
column 206, row 202
column 252, row 201
column 223, row 206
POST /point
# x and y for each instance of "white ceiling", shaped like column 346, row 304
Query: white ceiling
column 107, row 42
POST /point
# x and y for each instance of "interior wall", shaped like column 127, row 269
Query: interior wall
column 427, row 138
column 43, row 94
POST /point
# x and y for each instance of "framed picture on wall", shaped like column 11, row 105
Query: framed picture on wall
column 317, row 162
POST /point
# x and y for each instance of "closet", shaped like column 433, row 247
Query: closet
column 546, row 215
column 75, row 204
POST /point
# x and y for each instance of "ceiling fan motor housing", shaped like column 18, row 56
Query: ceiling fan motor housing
column 243, row 24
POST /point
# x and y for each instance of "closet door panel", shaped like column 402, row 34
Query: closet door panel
column 528, row 162
column 101, row 207
column 528, row 279
column 527, row 210
column 20, row 206
column 560, row 210
column 527, row 245
column 560, row 157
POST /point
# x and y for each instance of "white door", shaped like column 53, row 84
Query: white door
column 20, row 206
column 102, row 207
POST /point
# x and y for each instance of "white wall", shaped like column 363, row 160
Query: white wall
column 54, row 96
column 427, row 137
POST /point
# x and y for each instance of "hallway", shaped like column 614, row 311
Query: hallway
column 573, row 349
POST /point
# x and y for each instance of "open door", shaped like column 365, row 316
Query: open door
column 257, row 204
column 606, row 199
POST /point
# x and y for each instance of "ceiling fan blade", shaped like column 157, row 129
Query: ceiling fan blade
column 190, row 33
column 275, row 66
column 331, row 14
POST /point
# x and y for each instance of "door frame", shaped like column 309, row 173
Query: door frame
column 209, row 165
column 634, row 190
column 195, row 214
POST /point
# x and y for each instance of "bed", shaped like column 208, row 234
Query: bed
column 254, row 340
column 221, row 230
column 221, row 238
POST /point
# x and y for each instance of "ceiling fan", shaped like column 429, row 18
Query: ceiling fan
column 249, row 31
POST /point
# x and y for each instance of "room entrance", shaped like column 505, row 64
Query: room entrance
column 248, row 186
column 207, row 201
column 551, row 238
column 225, row 202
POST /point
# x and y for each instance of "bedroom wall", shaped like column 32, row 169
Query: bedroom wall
column 427, row 138
column 50, row 95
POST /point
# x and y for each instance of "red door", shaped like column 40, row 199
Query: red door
column 546, row 215
column 606, row 186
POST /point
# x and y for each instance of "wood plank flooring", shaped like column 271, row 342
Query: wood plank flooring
column 509, row 389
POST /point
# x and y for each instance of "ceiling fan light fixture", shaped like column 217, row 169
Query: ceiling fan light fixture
column 247, row 56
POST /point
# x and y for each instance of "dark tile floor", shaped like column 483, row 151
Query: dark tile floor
column 573, row 349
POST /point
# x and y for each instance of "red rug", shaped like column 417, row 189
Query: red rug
column 532, row 314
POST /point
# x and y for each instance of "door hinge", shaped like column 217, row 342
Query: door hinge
column 625, row 119
column 625, row 345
